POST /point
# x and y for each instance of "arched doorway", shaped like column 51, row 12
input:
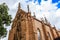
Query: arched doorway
column 38, row 34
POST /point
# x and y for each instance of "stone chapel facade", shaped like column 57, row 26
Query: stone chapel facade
column 27, row 27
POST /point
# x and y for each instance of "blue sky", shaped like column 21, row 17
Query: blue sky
column 42, row 8
column 53, row 1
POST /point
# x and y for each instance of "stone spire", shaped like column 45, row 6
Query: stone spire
column 34, row 14
column 46, row 20
column 19, row 6
column 28, row 7
column 29, row 13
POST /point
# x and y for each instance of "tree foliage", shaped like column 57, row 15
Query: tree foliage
column 5, row 19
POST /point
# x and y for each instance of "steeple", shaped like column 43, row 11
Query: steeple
column 28, row 7
column 19, row 6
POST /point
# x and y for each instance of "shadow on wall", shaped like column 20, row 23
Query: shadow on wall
column 58, row 38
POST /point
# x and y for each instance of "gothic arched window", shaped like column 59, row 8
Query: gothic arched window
column 38, row 34
column 49, row 36
column 15, row 37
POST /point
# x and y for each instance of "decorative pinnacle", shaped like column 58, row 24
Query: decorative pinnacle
column 46, row 20
column 19, row 6
column 28, row 7
column 34, row 14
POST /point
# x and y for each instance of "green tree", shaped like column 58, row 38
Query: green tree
column 5, row 19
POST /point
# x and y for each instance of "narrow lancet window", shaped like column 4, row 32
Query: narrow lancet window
column 38, row 34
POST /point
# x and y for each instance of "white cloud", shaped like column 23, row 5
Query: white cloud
column 58, row 13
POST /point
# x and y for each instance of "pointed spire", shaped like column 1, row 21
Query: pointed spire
column 46, row 20
column 34, row 14
column 19, row 6
column 28, row 7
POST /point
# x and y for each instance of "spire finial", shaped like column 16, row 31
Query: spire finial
column 19, row 6
column 28, row 7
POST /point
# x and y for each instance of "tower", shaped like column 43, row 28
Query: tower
column 22, row 28
column 18, row 30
